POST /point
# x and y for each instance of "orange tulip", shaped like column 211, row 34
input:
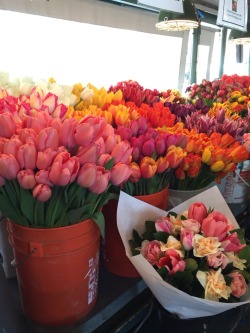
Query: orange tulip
column 174, row 156
column 148, row 167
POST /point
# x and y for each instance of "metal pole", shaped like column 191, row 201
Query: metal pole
column 222, row 50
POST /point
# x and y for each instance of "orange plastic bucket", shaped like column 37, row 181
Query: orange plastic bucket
column 57, row 271
column 114, row 257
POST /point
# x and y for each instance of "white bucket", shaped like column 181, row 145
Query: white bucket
column 237, row 185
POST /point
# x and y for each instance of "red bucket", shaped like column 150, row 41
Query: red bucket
column 57, row 271
column 114, row 257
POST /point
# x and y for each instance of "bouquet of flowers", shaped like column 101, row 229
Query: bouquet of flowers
column 194, row 259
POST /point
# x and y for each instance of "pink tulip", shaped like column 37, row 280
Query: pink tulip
column 7, row 125
column 120, row 174
column 89, row 129
column 9, row 166
column 38, row 121
column 42, row 177
column 192, row 225
column 91, row 153
column 66, row 134
column 64, row 169
column 125, row 133
column 151, row 251
column 47, row 138
column 36, row 99
column 56, row 123
column 160, row 146
column 122, row 152
column 238, row 285
column 50, row 100
column 163, row 224
column 3, row 141
column 12, row 146
column 232, row 243
column 216, row 225
column 101, row 182
column 87, row 175
column 27, row 135
column 45, row 158
column 42, row 192
column 103, row 159
column 186, row 239
column 60, row 111
column 27, row 156
column 148, row 147
column 110, row 143
column 197, row 211
column 26, row 179
column 136, row 172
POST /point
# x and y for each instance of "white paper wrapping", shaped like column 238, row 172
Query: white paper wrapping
column 132, row 214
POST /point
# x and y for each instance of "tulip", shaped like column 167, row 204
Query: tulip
column 47, row 138
column 174, row 156
column 64, row 169
column 27, row 156
column 90, row 154
column 3, row 141
column 9, row 166
column 89, row 129
column 186, row 239
column 122, row 152
column 50, row 100
column 42, row 177
column 36, row 98
column 42, row 192
column 87, row 175
column 12, row 146
column 101, row 182
column 27, row 135
column 26, row 179
column 37, row 122
column 7, row 125
column 136, row 172
column 103, row 159
column 197, row 211
column 148, row 147
column 45, row 158
column 66, row 134
column 217, row 166
column 60, row 111
column 120, row 173
column 239, row 154
column 148, row 167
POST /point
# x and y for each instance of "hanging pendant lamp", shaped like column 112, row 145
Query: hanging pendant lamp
column 172, row 21
column 240, row 37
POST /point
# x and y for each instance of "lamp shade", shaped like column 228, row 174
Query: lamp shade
column 172, row 21
column 240, row 37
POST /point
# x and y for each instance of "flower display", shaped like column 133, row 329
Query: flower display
column 195, row 254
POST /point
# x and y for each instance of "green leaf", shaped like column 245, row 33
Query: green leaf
column 191, row 265
column 246, row 275
column 163, row 272
column 161, row 236
column 27, row 204
column 100, row 221
column 10, row 211
column 183, row 279
column 245, row 253
column 109, row 165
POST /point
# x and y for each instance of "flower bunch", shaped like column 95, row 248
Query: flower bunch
column 220, row 90
column 208, row 158
column 56, row 172
column 198, row 251
column 155, row 155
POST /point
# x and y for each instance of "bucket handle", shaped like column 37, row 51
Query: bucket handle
column 26, row 257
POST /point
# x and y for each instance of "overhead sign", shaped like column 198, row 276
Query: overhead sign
column 233, row 14
column 170, row 5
